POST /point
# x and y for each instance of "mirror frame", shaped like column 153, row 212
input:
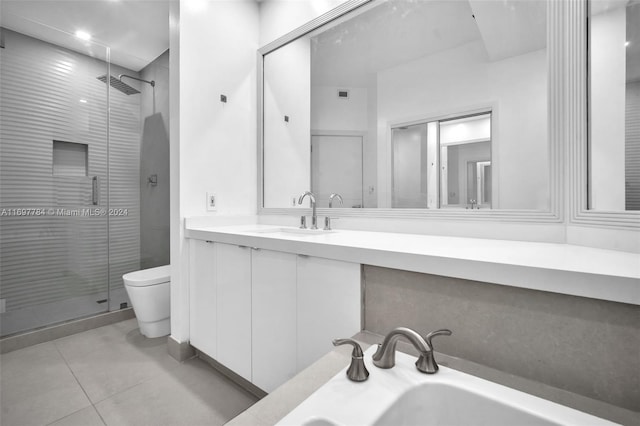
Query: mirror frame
column 567, row 92
column 578, row 131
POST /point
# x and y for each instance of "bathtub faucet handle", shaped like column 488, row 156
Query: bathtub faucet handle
column 427, row 361
column 357, row 371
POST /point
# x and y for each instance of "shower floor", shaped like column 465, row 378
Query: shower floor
column 34, row 317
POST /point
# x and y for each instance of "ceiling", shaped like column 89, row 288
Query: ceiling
column 136, row 31
column 400, row 31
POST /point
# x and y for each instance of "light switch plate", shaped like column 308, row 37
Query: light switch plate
column 212, row 200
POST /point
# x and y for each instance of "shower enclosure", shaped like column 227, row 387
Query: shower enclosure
column 84, row 183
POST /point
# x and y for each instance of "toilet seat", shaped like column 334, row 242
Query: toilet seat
column 147, row 277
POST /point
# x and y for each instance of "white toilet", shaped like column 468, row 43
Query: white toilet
column 148, row 291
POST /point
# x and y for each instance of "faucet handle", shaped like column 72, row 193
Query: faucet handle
column 303, row 222
column 426, row 363
column 357, row 371
column 443, row 332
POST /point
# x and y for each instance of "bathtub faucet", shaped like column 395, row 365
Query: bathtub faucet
column 385, row 356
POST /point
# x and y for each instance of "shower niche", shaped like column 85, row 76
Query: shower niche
column 70, row 158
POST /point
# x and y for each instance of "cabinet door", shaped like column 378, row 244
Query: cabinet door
column 328, row 305
column 273, row 317
column 233, row 306
column 202, row 298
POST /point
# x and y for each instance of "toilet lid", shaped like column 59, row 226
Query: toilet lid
column 146, row 277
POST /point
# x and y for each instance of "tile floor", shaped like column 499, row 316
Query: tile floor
column 112, row 375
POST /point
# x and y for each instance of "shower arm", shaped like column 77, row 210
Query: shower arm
column 152, row 82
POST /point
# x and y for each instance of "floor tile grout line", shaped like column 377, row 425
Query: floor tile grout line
column 78, row 382
column 128, row 388
column 75, row 412
column 106, row 397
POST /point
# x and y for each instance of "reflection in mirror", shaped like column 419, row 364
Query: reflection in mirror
column 464, row 163
column 409, row 166
column 465, row 154
column 614, row 105
column 336, row 167
column 393, row 75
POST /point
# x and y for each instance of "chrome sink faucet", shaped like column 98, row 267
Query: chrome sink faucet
column 312, row 198
column 385, row 356
column 327, row 219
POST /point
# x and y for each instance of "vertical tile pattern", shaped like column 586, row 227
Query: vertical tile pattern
column 587, row 346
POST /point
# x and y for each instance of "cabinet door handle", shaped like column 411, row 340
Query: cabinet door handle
column 243, row 247
column 303, row 256
column 255, row 248
column 209, row 242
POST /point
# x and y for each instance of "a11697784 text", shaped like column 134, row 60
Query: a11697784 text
column 65, row 212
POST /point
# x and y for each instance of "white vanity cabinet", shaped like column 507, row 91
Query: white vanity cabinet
column 265, row 314
column 203, row 324
column 220, row 303
column 233, row 307
column 300, row 304
column 328, row 305
column 273, row 296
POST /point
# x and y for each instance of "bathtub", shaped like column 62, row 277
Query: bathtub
column 403, row 396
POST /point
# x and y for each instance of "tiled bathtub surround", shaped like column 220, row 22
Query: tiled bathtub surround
column 586, row 346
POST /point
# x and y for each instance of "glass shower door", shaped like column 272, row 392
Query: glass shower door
column 54, row 155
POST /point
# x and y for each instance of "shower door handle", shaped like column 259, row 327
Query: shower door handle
column 95, row 190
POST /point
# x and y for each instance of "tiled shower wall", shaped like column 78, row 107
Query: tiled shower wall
column 586, row 346
column 54, row 257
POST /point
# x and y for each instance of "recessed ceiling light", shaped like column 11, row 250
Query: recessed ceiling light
column 83, row 101
column 627, row 43
column 83, row 35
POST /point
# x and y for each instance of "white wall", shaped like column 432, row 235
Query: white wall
column 608, row 85
column 218, row 43
column 332, row 114
column 213, row 145
column 287, row 154
column 287, row 143
column 461, row 79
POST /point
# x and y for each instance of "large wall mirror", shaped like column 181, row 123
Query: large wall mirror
column 614, row 106
column 412, row 104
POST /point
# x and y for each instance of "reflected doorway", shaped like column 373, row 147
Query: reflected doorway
column 336, row 167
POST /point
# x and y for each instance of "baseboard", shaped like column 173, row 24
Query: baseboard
column 30, row 338
column 180, row 351
column 234, row 377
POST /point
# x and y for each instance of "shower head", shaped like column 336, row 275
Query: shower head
column 119, row 85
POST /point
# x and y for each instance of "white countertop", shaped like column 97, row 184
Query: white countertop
column 560, row 268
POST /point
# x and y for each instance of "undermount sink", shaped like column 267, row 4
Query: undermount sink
column 402, row 396
column 292, row 231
